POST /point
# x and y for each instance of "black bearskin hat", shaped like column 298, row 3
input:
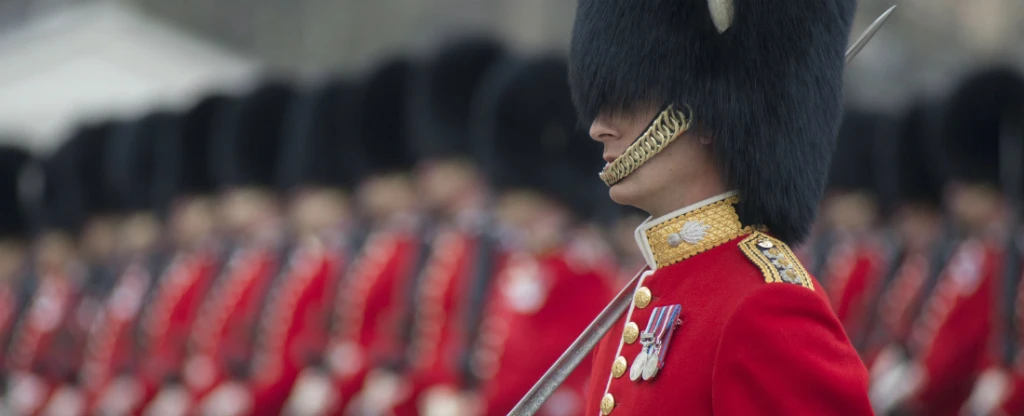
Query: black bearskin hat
column 132, row 165
column 975, row 118
column 530, row 137
column 250, row 138
column 383, row 120
column 185, row 165
column 442, row 94
column 321, row 148
column 61, row 205
column 919, row 178
column 855, row 160
column 91, row 161
column 763, row 77
column 14, row 215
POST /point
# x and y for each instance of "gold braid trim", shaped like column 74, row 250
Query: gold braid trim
column 713, row 225
column 670, row 124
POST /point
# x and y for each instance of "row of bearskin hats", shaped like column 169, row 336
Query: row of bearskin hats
column 974, row 135
column 472, row 100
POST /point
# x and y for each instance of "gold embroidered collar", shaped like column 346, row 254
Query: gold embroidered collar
column 689, row 231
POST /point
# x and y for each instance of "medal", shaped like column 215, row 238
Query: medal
column 648, row 339
column 665, row 330
column 636, row 370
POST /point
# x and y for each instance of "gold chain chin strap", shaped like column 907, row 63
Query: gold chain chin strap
column 670, row 124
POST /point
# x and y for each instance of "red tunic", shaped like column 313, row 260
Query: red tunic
column 439, row 323
column 169, row 318
column 46, row 345
column 755, row 334
column 111, row 345
column 540, row 307
column 366, row 314
column 854, row 271
column 221, row 342
column 952, row 341
column 293, row 330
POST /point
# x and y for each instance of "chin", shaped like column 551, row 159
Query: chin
column 626, row 192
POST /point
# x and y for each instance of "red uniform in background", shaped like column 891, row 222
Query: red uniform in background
column 47, row 344
column 367, row 313
column 110, row 349
column 853, row 274
column 897, row 312
column 292, row 329
column 221, row 341
column 539, row 308
column 952, row 341
column 439, row 325
column 168, row 320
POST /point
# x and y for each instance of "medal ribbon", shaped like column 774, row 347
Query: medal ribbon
column 658, row 329
column 670, row 326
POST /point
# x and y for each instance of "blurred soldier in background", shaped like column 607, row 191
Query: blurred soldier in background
column 1000, row 388
column 247, row 145
column 73, row 255
column 552, row 285
column 370, row 303
column 110, row 350
column 954, row 338
column 42, row 348
column 455, row 194
column 918, row 225
column 16, row 194
column 185, row 184
column 321, row 163
column 855, row 261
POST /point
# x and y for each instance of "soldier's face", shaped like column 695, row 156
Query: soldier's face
column 682, row 174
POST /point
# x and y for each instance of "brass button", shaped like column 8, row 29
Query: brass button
column 607, row 404
column 631, row 333
column 642, row 298
column 619, row 367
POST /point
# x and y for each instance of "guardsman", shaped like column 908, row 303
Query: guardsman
column 250, row 141
column 855, row 264
column 954, row 339
column 110, row 349
column 185, row 188
column 43, row 352
column 918, row 225
column 455, row 193
column 554, row 282
column 321, row 164
column 16, row 197
column 370, row 301
column 718, row 118
column 1000, row 389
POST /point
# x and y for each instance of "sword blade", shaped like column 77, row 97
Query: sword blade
column 868, row 34
column 586, row 342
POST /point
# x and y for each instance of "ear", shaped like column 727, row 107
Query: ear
column 722, row 12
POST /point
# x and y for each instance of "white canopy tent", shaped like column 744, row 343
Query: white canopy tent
column 103, row 60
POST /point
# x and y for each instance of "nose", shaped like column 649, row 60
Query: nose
column 602, row 131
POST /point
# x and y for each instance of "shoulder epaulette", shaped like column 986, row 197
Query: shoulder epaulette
column 776, row 261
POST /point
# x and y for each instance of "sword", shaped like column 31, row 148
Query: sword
column 586, row 342
column 868, row 34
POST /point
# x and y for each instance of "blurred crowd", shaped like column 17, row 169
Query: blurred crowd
column 918, row 245
column 424, row 238
column 429, row 236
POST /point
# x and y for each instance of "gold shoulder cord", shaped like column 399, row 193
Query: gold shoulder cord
column 670, row 124
column 776, row 261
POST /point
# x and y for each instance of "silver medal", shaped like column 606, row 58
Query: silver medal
column 651, row 366
column 639, row 363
